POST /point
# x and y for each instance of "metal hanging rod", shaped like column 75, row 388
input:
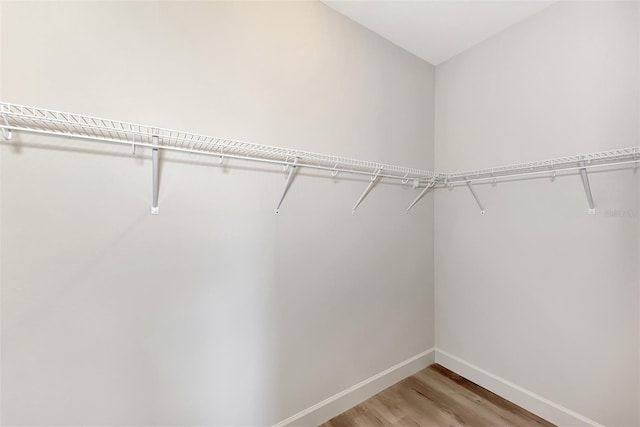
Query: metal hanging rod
column 50, row 122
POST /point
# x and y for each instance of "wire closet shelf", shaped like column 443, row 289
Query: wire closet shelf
column 51, row 122
column 551, row 166
column 16, row 117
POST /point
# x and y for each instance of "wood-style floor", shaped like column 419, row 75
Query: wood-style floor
column 434, row 397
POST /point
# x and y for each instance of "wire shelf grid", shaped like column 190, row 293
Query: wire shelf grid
column 46, row 121
column 41, row 120
column 601, row 158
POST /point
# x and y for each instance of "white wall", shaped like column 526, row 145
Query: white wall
column 217, row 311
column 536, row 291
column 638, row 214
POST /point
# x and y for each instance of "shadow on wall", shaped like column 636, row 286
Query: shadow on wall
column 137, row 311
column 185, row 314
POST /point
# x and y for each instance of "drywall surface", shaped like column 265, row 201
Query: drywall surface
column 637, row 213
column 537, row 292
column 216, row 311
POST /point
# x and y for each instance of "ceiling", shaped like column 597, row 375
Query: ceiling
column 437, row 30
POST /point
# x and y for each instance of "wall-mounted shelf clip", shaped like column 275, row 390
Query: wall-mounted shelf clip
column 475, row 196
column 155, row 141
column 287, row 183
column 334, row 172
column 405, row 179
column 374, row 179
column 426, row 189
column 133, row 145
column 587, row 188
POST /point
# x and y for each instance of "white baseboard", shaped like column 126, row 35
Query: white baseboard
column 550, row 411
column 346, row 399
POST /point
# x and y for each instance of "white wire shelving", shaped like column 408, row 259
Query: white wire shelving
column 577, row 162
column 37, row 120
column 50, row 122
column 41, row 120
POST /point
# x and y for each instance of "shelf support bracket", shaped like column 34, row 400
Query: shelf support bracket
column 374, row 179
column 287, row 184
column 155, row 209
column 475, row 196
column 429, row 186
column 587, row 188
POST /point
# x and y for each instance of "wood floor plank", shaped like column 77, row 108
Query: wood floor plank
column 406, row 422
column 370, row 417
column 387, row 413
column 493, row 412
column 455, row 405
column 436, row 397
column 422, row 406
column 527, row 418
